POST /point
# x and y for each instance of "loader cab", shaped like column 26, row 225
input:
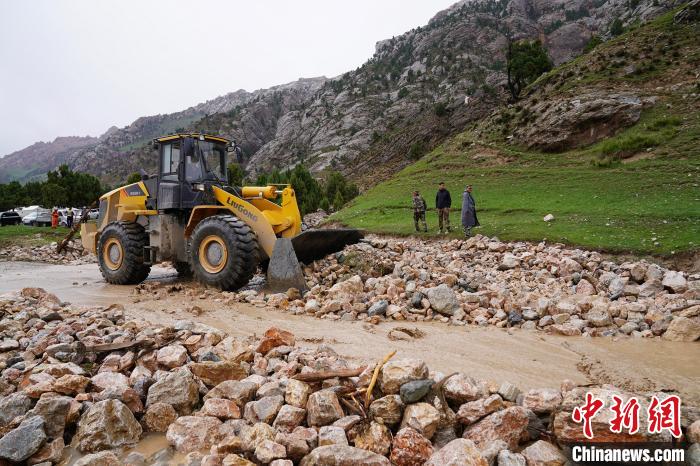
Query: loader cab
column 188, row 165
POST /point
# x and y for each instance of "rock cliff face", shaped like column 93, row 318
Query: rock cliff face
column 416, row 89
column 40, row 157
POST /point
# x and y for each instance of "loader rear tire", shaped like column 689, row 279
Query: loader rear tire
column 120, row 253
column 224, row 252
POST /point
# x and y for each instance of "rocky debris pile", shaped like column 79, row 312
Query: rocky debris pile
column 92, row 379
column 483, row 281
column 73, row 254
column 314, row 219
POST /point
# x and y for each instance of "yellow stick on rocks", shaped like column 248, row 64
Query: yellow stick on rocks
column 375, row 375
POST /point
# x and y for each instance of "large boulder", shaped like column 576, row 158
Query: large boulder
column 107, row 424
column 341, row 455
column 675, row 282
column 683, row 329
column 579, row 121
column 13, row 405
column 443, row 300
column 22, row 442
column 178, row 389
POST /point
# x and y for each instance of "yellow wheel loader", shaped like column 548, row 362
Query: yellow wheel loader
column 188, row 215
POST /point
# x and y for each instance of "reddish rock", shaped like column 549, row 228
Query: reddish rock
column 471, row 412
column 289, row 417
column 422, row 417
column 214, row 373
column 70, row 384
column 194, row 433
column 507, row 425
column 274, row 337
column 459, row 452
column 462, row 389
column 410, row 448
column 172, row 356
column 339, row 455
column 221, row 408
column 159, row 416
column 374, row 437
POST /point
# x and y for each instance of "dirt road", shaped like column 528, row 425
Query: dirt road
column 528, row 359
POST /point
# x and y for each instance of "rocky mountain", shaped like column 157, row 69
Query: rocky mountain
column 417, row 89
column 41, row 157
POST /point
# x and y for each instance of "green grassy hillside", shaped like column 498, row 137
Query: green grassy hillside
column 638, row 191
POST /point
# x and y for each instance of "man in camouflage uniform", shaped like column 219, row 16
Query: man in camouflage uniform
column 419, row 207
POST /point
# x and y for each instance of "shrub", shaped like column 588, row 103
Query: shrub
column 440, row 109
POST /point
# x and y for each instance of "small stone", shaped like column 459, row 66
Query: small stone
column 323, row 408
column 268, row 451
column 70, row 384
column 507, row 425
column 13, row 405
column 422, row 417
column 332, row 435
column 693, row 432
column 542, row 453
column 172, row 356
column 508, row 458
column 274, row 337
column 289, row 417
column 388, row 408
column 410, row 448
column 297, row 393
column 548, row 218
column 461, row 389
column 443, row 300
column 264, row 410
column 508, row 391
column 103, row 458
column 471, row 412
column 239, row 391
column 221, row 408
column 213, row 373
column 194, row 433
column 50, row 452
column 178, row 389
column 374, row 437
column 411, row 392
column 159, row 416
column 542, row 401
column 460, row 452
column 378, row 308
column 339, row 455
column 675, row 282
column 397, row 372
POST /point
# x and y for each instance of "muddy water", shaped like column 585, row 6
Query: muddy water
column 528, row 359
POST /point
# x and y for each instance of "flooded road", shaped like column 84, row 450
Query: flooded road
column 528, row 359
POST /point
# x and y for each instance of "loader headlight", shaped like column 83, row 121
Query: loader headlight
column 198, row 187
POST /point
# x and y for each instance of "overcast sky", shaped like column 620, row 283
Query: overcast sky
column 77, row 67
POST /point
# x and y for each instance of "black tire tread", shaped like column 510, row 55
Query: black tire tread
column 133, row 238
column 243, row 254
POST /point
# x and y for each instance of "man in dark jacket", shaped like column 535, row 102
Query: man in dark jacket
column 419, row 211
column 469, row 219
column 443, row 202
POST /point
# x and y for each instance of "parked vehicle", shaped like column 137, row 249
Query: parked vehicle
column 24, row 211
column 38, row 218
column 10, row 218
column 93, row 214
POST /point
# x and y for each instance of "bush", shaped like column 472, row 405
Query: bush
column 526, row 61
column 593, row 43
column 133, row 178
column 417, row 150
column 440, row 109
column 616, row 28
column 403, row 92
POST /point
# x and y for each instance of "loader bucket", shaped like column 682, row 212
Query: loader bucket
column 312, row 245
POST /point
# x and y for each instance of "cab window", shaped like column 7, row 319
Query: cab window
column 193, row 167
column 170, row 161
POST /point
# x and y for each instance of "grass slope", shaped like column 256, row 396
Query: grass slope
column 647, row 203
column 20, row 235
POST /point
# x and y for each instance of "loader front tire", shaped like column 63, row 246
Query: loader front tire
column 224, row 252
column 120, row 253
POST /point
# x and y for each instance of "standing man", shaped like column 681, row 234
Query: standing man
column 469, row 219
column 443, row 202
column 69, row 217
column 419, row 207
